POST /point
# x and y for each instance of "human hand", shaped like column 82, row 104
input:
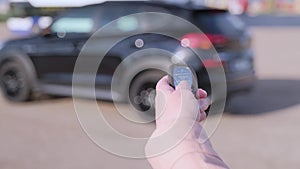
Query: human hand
column 178, row 105
column 179, row 110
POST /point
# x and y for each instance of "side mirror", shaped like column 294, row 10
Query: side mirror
column 46, row 32
column 45, row 25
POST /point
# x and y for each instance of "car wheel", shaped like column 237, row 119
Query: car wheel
column 14, row 82
column 142, row 91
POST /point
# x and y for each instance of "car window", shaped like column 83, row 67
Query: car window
column 73, row 25
column 216, row 23
column 111, row 12
column 76, row 21
column 129, row 23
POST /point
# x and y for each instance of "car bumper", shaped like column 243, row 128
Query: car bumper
column 240, row 73
column 238, row 69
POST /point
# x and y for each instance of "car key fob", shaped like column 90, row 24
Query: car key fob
column 179, row 73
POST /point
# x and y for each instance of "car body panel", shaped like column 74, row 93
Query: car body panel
column 53, row 56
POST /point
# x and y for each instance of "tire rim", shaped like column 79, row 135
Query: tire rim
column 13, row 82
column 145, row 97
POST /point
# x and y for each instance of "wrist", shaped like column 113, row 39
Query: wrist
column 166, row 160
column 199, row 160
column 187, row 145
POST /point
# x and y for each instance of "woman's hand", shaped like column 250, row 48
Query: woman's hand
column 180, row 110
column 178, row 105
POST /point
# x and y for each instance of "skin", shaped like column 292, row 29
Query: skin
column 178, row 109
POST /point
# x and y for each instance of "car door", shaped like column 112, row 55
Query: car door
column 110, row 33
column 57, row 52
column 117, row 24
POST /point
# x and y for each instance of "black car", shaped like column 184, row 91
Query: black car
column 44, row 63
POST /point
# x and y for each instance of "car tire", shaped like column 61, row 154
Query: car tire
column 142, row 90
column 14, row 82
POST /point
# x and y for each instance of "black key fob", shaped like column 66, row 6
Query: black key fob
column 179, row 73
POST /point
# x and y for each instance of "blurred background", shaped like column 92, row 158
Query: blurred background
column 259, row 129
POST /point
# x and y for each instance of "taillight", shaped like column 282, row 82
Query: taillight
column 217, row 40
column 203, row 41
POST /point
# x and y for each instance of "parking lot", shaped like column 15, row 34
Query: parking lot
column 259, row 130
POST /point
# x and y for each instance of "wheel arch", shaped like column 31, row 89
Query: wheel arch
column 135, row 69
column 25, row 61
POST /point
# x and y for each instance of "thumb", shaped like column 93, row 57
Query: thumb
column 163, row 85
column 183, row 85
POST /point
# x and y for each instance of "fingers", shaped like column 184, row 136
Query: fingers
column 201, row 97
column 202, row 116
column 183, row 85
column 200, row 94
column 203, row 104
column 163, row 85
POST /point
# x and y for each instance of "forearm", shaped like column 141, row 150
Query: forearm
column 199, row 161
column 189, row 154
column 177, row 115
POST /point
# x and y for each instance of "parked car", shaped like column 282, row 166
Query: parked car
column 44, row 63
